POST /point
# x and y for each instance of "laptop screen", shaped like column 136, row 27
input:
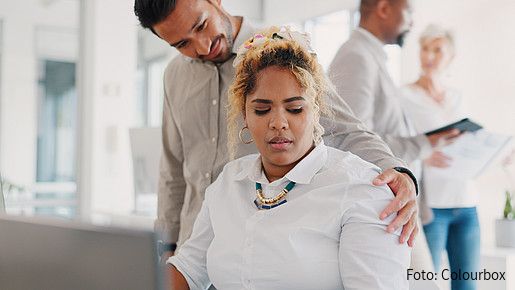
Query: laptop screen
column 44, row 253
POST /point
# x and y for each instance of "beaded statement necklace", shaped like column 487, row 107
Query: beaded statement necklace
column 268, row 203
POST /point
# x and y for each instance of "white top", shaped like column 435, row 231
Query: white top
column 426, row 115
column 327, row 236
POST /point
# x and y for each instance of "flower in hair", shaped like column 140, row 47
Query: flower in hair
column 276, row 34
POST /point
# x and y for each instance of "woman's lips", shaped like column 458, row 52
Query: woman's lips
column 280, row 143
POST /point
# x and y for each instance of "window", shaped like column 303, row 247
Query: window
column 328, row 33
column 56, row 141
column 38, row 107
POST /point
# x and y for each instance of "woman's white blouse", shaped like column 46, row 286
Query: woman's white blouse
column 326, row 236
column 427, row 115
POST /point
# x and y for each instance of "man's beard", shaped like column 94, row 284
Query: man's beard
column 401, row 37
column 226, row 23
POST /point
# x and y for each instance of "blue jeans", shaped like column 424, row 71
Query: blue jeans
column 457, row 231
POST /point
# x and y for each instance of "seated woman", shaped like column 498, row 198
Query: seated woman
column 299, row 215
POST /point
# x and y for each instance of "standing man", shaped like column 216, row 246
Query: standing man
column 194, row 123
column 361, row 78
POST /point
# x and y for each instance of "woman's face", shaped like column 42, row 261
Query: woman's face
column 435, row 55
column 280, row 118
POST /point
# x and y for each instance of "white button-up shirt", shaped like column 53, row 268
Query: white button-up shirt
column 327, row 235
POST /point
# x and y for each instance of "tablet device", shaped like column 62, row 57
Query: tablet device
column 465, row 125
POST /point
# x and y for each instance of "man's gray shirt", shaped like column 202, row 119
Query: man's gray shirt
column 195, row 137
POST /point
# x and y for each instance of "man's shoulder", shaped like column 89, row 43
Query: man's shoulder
column 354, row 48
column 351, row 52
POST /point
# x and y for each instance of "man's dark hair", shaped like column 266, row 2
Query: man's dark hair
column 151, row 12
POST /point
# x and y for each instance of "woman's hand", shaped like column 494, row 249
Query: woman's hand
column 404, row 204
column 444, row 138
column 438, row 160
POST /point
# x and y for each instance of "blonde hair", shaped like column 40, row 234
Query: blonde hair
column 286, row 54
column 434, row 31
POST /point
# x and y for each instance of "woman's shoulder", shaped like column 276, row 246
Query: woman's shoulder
column 346, row 163
column 355, row 175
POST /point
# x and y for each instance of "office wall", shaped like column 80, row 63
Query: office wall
column 483, row 70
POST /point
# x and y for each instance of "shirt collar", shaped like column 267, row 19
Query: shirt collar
column 377, row 45
column 302, row 173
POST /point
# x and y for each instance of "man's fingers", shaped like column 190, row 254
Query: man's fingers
column 394, row 206
column 385, row 177
column 402, row 218
column 411, row 241
column 407, row 229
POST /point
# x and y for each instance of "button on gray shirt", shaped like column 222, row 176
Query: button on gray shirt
column 195, row 137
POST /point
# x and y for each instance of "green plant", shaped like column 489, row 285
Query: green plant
column 509, row 211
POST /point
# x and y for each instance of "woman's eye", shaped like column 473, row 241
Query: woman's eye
column 295, row 110
column 261, row 111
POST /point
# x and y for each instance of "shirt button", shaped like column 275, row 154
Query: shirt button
column 207, row 175
column 213, row 140
column 215, row 102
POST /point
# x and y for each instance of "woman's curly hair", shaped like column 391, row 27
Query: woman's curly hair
column 285, row 54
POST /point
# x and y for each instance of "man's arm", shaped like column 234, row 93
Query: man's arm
column 172, row 186
column 409, row 149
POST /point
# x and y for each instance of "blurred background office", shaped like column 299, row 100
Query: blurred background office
column 79, row 79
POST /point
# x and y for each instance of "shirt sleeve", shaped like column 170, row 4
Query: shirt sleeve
column 191, row 259
column 409, row 149
column 171, row 185
column 371, row 258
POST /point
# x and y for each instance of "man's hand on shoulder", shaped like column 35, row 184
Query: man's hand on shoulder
column 404, row 203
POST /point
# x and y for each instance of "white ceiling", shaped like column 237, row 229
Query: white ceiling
column 284, row 11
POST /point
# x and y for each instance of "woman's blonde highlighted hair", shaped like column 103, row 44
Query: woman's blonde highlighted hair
column 286, row 54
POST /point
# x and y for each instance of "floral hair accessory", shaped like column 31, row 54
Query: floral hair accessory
column 274, row 34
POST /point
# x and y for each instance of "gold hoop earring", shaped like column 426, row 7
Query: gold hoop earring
column 241, row 136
